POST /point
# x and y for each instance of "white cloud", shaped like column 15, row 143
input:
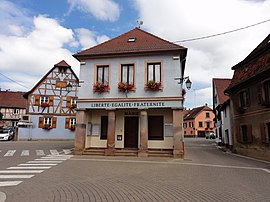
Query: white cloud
column 89, row 38
column 29, row 57
column 100, row 9
column 177, row 20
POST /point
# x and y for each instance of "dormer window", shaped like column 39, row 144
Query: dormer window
column 131, row 39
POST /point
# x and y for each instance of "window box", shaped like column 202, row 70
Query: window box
column 154, row 86
column 100, row 87
column 125, row 87
column 47, row 127
column 45, row 104
column 72, row 128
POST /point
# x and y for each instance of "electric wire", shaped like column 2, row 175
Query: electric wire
column 227, row 32
column 14, row 81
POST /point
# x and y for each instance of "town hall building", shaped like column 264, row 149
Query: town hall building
column 129, row 98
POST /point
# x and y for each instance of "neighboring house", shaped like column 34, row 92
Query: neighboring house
column 221, row 106
column 129, row 98
column 198, row 122
column 249, row 93
column 51, row 106
column 12, row 108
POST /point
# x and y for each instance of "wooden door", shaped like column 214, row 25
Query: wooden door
column 131, row 132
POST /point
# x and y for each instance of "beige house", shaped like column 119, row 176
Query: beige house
column 128, row 100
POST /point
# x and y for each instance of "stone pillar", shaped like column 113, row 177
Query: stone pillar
column 80, row 131
column 143, row 149
column 111, row 134
column 178, row 136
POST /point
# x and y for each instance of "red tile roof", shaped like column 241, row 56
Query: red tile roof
column 62, row 64
column 9, row 99
column 257, row 62
column 195, row 111
column 144, row 42
column 221, row 84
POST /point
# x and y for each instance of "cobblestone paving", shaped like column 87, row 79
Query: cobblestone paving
column 83, row 179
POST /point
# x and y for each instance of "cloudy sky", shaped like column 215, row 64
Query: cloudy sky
column 35, row 35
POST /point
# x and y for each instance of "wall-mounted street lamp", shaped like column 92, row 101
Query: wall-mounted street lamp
column 69, row 87
column 188, row 82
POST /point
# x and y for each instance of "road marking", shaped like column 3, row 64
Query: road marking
column 67, row 151
column 54, row 152
column 10, row 153
column 37, row 167
column 9, row 183
column 3, row 196
column 175, row 163
column 15, row 176
column 44, row 161
column 40, row 153
column 20, row 171
column 25, row 153
column 38, row 164
column 51, row 159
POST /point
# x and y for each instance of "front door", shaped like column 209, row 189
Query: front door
column 131, row 132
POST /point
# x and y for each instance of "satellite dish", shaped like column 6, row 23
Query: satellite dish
column 139, row 22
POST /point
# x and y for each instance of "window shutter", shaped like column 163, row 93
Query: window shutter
column 263, row 134
column 51, row 100
column 238, row 134
column 54, row 119
column 68, row 101
column 260, row 96
column 249, row 131
column 67, row 123
column 37, row 100
column 41, row 122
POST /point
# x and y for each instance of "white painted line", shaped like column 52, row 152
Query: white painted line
column 20, row 171
column 266, row 170
column 61, row 155
column 38, row 164
column 51, row 159
column 54, row 152
column 247, row 157
column 40, row 153
column 15, row 176
column 10, row 153
column 44, row 161
column 66, row 151
column 25, row 153
column 3, row 196
column 33, row 167
column 174, row 163
column 54, row 157
column 9, row 183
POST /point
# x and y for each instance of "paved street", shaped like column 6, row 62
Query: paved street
column 206, row 174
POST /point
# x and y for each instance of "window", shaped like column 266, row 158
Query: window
column 190, row 124
column 44, row 99
column 48, row 121
column 154, row 72
column 207, row 115
column 72, row 121
column 73, row 101
column 244, row 133
column 103, row 74
column 104, row 127
column 266, row 88
column 185, row 125
column 16, row 111
column 155, row 128
column 208, row 124
column 200, row 124
column 127, row 74
column 244, row 99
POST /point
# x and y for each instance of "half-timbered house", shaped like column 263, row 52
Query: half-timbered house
column 51, row 106
column 12, row 108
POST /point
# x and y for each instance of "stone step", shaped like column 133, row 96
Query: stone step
column 126, row 152
column 94, row 151
column 160, row 153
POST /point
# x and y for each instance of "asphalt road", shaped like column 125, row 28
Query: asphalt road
column 205, row 174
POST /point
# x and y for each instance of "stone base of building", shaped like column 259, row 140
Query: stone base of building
column 109, row 152
column 256, row 152
column 143, row 154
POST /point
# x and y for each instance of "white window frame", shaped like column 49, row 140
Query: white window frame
column 48, row 121
column 44, row 99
